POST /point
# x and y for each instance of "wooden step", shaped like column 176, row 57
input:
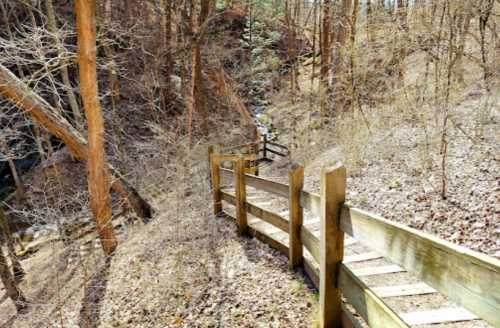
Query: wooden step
column 404, row 290
column 372, row 271
column 444, row 315
column 361, row 257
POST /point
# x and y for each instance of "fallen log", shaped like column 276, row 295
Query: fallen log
column 23, row 97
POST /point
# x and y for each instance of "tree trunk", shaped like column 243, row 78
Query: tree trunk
column 113, row 81
column 7, row 235
column 20, row 191
column 98, row 174
column 326, row 57
column 167, row 92
column 73, row 103
column 339, row 78
column 19, row 93
column 13, row 292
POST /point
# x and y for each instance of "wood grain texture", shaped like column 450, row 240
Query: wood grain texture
column 216, row 176
column 311, row 242
column 99, row 181
column 375, row 312
column 272, row 187
column 404, row 290
column 296, row 183
column 430, row 317
column 469, row 278
column 333, row 189
column 361, row 257
column 240, row 195
column 311, row 202
column 264, row 215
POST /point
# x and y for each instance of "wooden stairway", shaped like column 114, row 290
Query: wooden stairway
column 414, row 301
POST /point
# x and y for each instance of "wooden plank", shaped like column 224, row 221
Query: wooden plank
column 261, row 213
column 228, row 149
column 373, row 309
column 240, row 195
column 228, row 158
column 348, row 319
column 296, row 182
column 349, row 241
column 445, row 315
column 404, row 290
column 216, row 191
column 210, row 151
column 277, row 145
column 311, row 202
column 373, row 271
column 333, row 189
column 469, row 278
column 262, row 236
column 272, row 187
column 312, row 271
column 226, row 173
column 311, row 242
column 362, row 257
column 276, row 152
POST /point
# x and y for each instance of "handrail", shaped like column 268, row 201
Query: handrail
column 439, row 263
column 469, row 278
column 273, row 187
column 270, row 217
column 228, row 149
column 276, row 188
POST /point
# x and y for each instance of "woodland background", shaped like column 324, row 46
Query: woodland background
column 405, row 93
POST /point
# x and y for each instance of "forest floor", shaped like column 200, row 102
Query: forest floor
column 395, row 168
column 184, row 269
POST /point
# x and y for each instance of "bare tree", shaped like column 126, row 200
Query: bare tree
column 63, row 68
column 99, row 178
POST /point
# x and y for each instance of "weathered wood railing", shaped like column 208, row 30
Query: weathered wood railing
column 469, row 278
column 263, row 147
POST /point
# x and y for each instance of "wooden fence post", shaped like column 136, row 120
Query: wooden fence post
column 296, row 182
column 255, row 150
column 264, row 149
column 210, row 152
column 240, row 192
column 215, row 169
column 333, row 191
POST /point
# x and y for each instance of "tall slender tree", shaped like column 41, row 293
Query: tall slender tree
column 98, row 178
column 326, row 56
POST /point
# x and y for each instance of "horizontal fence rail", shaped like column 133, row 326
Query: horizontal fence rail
column 469, row 278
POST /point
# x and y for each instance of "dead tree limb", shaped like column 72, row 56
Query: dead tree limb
column 23, row 97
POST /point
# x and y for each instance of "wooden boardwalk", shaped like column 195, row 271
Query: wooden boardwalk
column 388, row 280
column 364, row 266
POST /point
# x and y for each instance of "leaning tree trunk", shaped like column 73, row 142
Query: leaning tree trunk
column 98, row 177
column 13, row 292
column 20, row 94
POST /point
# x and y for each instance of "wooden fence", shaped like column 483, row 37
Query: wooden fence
column 469, row 278
column 261, row 149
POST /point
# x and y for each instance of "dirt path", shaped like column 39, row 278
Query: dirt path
column 194, row 271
